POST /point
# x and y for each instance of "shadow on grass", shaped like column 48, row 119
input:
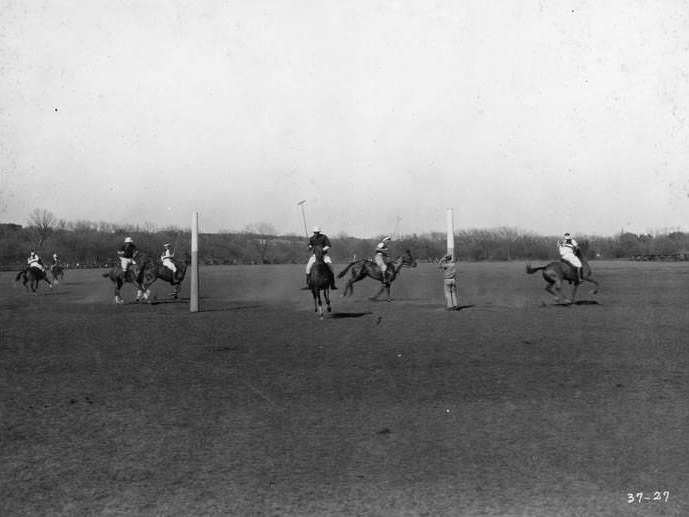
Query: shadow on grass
column 569, row 304
column 339, row 315
column 227, row 308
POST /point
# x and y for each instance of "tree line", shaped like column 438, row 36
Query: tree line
column 90, row 244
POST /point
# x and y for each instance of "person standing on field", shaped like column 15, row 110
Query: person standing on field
column 447, row 264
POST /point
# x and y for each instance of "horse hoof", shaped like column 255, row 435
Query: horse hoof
column 329, row 309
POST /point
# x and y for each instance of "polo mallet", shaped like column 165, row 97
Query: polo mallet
column 397, row 223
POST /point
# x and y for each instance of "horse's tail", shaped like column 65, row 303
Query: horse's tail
column 531, row 270
column 344, row 271
column 19, row 275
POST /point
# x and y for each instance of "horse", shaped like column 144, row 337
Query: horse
column 363, row 268
column 152, row 271
column 320, row 280
column 57, row 272
column 556, row 273
column 33, row 275
column 119, row 278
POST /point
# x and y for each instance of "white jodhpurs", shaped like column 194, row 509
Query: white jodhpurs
column 380, row 261
column 568, row 255
column 312, row 261
column 126, row 262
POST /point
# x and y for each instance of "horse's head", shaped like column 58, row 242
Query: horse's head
column 318, row 252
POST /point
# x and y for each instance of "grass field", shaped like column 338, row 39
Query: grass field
column 512, row 406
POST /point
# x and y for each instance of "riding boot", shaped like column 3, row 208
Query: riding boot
column 580, row 272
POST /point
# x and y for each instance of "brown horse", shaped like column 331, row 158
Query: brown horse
column 361, row 269
column 119, row 278
column 320, row 280
column 57, row 272
column 556, row 273
column 33, row 276
column 152, row 271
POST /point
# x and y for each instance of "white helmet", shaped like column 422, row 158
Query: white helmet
column 128, row 239
column 316, row 229
column 166, row 245
column 381, row 246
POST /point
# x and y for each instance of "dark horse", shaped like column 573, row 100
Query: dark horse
column 33, row 276
column 556, row 273
column 57, row 272
column 360, row 269
column 152, row 271
column 119, row 278
column 320, row 280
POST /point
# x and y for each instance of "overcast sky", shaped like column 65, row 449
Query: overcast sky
column 547, row 116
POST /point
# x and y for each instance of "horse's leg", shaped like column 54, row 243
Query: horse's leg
column 590, row 279
column 118, row 286
column 380, row 291
column 554, row 289
column 349, row 288
column 326, row 293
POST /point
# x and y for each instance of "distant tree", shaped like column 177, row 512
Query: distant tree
column 42, row 222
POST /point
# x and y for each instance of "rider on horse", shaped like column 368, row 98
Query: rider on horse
column 167, row 257
column 569, row 251
column 35, row 261
column 56, row 260
column 127, row 253
column 381, row 258
column 319, row 239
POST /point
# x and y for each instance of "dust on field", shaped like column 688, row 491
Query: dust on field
column 255, row 406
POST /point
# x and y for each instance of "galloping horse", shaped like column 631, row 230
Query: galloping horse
column 119, row 278
column 360, row 269
column 57, row 272
column 33, row 276
column 556, row 273
column 320, row 280
column 152, row 271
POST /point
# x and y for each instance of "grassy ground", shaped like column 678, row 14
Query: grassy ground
column 254, row 406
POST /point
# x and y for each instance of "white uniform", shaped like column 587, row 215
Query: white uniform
column 167, row 257
column 567, row 252
column 381, row 254
column 35, row 261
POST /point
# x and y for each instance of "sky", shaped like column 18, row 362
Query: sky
column 544, row 116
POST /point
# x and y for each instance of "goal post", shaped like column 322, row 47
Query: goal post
column 194, row 289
